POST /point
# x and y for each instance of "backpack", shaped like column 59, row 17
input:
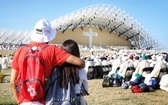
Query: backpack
column 116, row 80
column 154, row 83
column 129, row 73
column 136, row 89
column 125, row 85
column 137, row 80
column 144, row 87
column 32, row 73
column 91, row 72
column 106, row 81
column 55, row 95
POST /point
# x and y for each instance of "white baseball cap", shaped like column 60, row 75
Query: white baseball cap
column 43, row 32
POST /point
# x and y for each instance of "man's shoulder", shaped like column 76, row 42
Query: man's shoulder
column 20, row 48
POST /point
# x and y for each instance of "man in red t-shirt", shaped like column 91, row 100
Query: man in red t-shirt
column 52, row 56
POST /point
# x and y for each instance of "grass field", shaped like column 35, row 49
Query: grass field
column 102, row 96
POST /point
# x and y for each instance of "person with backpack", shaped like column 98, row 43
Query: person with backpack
column 70, row 79
column 144, row 63
column 32, row 65
column 81, row 88
column 153, row 76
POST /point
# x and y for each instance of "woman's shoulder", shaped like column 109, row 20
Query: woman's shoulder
column 82, row 70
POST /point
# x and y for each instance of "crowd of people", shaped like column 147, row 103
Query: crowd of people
column 119, row 62
column 5, row 62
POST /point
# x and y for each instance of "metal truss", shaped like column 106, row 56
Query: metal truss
column 102, row 16
column 109, row 18
column 14, row 38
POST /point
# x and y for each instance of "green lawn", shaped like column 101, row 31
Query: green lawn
column 101, row 96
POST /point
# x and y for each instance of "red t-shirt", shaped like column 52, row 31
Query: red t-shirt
column 52, row 56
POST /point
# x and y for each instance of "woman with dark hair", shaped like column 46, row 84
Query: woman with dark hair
column 67, row 80
column 68, row 69
column 78, row 75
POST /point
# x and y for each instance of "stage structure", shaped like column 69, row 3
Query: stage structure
column 104, row 17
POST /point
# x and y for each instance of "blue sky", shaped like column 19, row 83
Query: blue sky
column 23, row 14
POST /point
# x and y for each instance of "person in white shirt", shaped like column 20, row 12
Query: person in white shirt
column 153, row 61
column 136, row 61
column 155, row 72
column 4, row 62
column 139, row 69
column 115, row 65
column 125, row 65
column 164, row 82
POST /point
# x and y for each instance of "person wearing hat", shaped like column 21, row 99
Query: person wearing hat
column 52, row 56
column 142, row 64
